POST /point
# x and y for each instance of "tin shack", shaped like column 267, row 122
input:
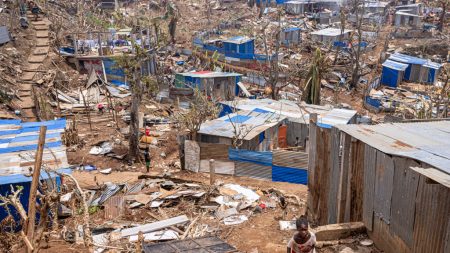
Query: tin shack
column 393, row 177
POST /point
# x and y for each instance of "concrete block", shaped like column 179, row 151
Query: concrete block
column 338, row 231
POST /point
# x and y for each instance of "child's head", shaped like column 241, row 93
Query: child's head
column 302, row 226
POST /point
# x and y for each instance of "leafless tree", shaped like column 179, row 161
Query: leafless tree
column 201, row 109
column 139, row 85
column 358, row 9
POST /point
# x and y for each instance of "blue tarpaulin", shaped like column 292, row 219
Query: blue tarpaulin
column 258, row 157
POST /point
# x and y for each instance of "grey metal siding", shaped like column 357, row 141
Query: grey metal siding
column 4, row 35
column 403, row 199
column 432, row 217
column 290, row 159
column 245, row 169
column 384, row 179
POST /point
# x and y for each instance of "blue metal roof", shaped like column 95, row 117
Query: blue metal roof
column 407, row 59
column 291, row 29
column 432, row 65
column 238, row 40
column 18, row 144
column 395, row 65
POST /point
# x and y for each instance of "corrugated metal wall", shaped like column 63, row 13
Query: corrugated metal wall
column 277, row 166
column 290, row 159
column 247, row 169
column 403, row 210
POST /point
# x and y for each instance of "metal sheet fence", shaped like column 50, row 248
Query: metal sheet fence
column 278, row 166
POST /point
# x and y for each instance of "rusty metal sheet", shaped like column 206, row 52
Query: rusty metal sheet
column 290, row 159
column 384, row 180
column 431, row 217
column 403, row 199
column 370, row 159
column 114, row 207
column 425, row 141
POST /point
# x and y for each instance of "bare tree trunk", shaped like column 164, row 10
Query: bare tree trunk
column 356, row 64
column 136, row 97
column 442, row 17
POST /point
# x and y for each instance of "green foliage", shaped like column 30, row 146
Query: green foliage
column 311, row 93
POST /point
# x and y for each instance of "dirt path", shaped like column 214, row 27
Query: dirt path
column 34, row 64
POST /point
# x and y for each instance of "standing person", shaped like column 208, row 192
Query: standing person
column 147, row 158
column 303, row 240
column 100, row 108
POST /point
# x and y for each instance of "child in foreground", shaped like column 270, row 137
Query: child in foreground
column 303, row 240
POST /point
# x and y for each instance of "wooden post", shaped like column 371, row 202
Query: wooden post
column 75, row 45
column 34, row 185
column 212, row 172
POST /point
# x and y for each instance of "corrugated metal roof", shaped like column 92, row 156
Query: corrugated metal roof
column 238, row 40
column 18, row 144
column 433, row 65
column 330, row 32
column 401, row 13
column 395, row 65
column 427, row 142
column 407, row 59
column 376, row 4
column 295, row 113
column 209, row 74
column 255, row 123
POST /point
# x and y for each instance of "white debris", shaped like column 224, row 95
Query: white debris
column 287, row 225
column 157, row 236
column 247, row 193
column 234, row 220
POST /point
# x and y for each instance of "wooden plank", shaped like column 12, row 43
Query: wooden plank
column 213, row 151
column 36, row 58
column 384, row 180
column 334, row 175
column 370, row 156
column 323, row 173
column 192, row 155
column 403, row 199
column 356, row 181
column 41, row 34
column 155, row 226
column 343, row 178
column 312, row 163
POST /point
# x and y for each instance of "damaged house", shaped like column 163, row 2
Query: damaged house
column 297, row 117
column 219, row 85
column 254, row 130
column 330, row 35
column 18, row 143
column 291, row 36
column 419, row 70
